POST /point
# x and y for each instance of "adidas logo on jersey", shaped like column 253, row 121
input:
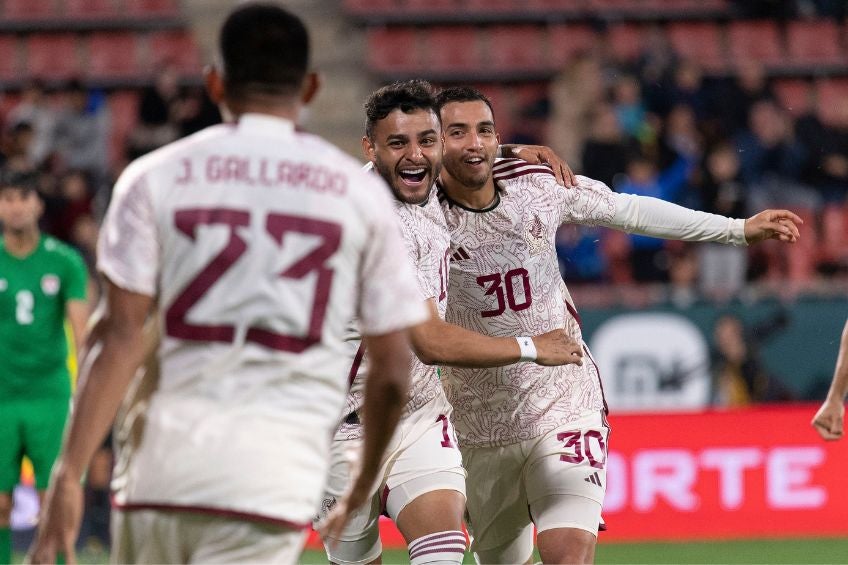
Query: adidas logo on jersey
column 594, row 479
column 460, row 254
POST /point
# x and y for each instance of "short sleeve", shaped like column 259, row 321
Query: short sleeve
column 76, row 283
column 128, row 249
column 389, row 298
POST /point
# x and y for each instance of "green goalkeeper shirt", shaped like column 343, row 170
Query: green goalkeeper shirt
column 34, row 291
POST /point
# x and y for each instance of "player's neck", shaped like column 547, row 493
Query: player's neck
column 274, row 106
column 469, row 197
column 21, row 243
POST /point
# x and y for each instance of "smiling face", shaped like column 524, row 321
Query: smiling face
column 406, row 149
column 471, row 143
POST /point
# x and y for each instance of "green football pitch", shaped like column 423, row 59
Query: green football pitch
column 825, row 550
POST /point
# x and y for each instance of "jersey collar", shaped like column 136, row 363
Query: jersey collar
column 264, row 123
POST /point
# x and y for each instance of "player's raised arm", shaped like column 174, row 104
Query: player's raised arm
column 437, row 342
column 828, row 421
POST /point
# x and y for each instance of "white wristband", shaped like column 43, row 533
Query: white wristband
column 527, row 347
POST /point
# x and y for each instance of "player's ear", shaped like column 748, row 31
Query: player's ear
column 214, row 84
column 311, row 85
column 367, row 148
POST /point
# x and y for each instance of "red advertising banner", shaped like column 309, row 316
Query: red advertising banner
column 758, row 472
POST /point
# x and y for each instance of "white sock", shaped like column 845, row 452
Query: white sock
column 440, row 548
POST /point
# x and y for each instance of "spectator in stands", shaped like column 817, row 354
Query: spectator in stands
column 648, row 260
column 655, row 67
column 827, row 146
column 721, row 191
column 16, row 150
column 739, row 376
column 157, row 113
column 74, row 201
column 688, row 89
column 82, row 133
column 733, row 103
column 630, row 110
column 579, row 253
column 682, row 274
column 606, row 149
column 772, row 160
column 34, row 109
column 197, row 111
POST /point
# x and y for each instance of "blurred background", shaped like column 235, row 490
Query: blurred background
column 720, row 105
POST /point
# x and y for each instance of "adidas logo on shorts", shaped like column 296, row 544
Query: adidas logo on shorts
column 594, row 479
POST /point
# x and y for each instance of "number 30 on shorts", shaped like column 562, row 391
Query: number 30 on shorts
column 586, row 445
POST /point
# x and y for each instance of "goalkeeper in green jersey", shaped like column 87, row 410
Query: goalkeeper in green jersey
column 42, row 283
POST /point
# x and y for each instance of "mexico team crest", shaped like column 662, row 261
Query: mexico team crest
column 50, row 284
column 535, row 233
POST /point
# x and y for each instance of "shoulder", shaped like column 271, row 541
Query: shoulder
column 510, row 169
column 62, row 251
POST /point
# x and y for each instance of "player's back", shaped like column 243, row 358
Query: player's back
column 255, row 238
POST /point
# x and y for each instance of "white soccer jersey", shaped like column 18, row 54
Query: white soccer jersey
column 260, row 244
column 505, row 281
column 427, row 241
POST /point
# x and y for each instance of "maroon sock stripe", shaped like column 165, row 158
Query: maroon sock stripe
column 415, row 548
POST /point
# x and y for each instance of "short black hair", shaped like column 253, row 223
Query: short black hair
column 462, row 94
column 406, row 96
column 265, row 50
column 25, row 181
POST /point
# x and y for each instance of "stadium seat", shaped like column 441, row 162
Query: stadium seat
column 812, row 43
column 833, row 101
column 392, row 49
column 625, row 41
column 52, row 55
column 82, row 9
column 517, row 48
column 112, row 54
column 429, row 6
column 10, row 59
column 28, row 9
column 755, row 40
column 177, row 47
column 451, row 49
column 488, row 6
column 794, row 95
column 568, row 40
column 152, row 8
column 699, row 42
column 362, row 7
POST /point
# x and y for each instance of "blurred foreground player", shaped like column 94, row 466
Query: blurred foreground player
column 422, row 483
column 534, row 439
column 828, row 421
column 43, row 282
column 257, row 245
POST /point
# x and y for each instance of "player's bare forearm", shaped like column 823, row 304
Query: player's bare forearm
column 105, row 378
column 829, row 419
column 839, row 385
column 386, row 390
column 76, row 311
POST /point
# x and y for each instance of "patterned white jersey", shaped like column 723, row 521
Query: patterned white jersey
column 427, row 241
column 505, row 281
column 260, row 244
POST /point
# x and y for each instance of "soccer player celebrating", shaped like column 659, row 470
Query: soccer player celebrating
column 257, row 244
column 536, row 437
column 828, row 421
column 43, row 282
column 422, row 482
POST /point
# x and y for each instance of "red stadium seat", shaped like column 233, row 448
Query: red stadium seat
column 794, row 95
column 813, row 43
column 393, row 49
column 451, row 49
column 429, row 6
column 488, row 6
column 699, row 42
column 517, row 48
column 52, row 55
column 177, row 47
column 80, row 9
column 10, row 60
column 28, row 9
column 756, row 40
column 568, row 40
column 834, row 227
column 625, row 41
column 362, row 7
column 112, row 54
column 833, row 101
column 153, row 8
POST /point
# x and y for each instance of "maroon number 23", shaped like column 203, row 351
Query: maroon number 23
column 277, row 225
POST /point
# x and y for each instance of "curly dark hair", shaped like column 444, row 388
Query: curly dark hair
column 407, row 96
